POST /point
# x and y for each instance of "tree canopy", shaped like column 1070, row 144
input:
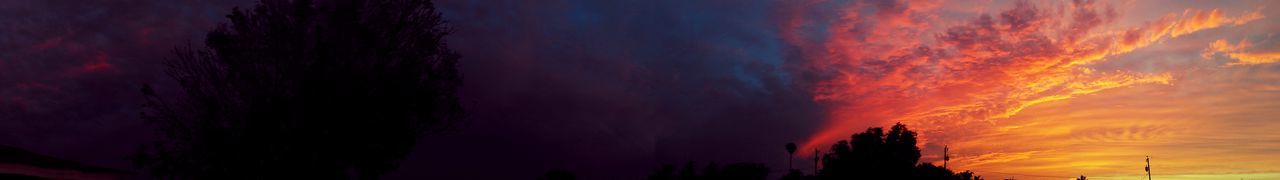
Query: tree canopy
column 874, row 154
column 301, row 89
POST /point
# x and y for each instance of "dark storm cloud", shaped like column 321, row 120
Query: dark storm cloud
column 70, row 70
column 610, row 89
column 607, row 89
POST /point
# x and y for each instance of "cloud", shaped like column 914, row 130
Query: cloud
column 1248, row 58
column 981, row 71
column 1238, row 52
column 71, row 70
column 1174, row 25
column 997, row 157
column 612, row 89
column 1221, row 45
column 1214, row 122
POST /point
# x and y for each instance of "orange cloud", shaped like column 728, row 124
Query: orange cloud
column 1173, row 25
column 1034, row 89
column 1248, row 58
column 990, row 68
column 997, row 157
column 1238, row 53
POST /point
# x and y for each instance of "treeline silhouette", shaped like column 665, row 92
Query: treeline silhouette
column 302, row 89
column 690, row 171
column 871, row 154
column 876, row 154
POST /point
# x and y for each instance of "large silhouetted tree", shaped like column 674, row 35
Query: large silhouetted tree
column 874, row 154
column 301, row 89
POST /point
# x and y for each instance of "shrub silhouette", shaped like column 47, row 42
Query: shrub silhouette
column 556, row 174
column 966, row 175
column 300, row 89
column 797, row 175
column 735, row 171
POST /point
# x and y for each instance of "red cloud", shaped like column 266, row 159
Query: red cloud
column 872, row 70
column 98, row 64
column 50, row 43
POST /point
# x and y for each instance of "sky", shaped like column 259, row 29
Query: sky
column 613, row 89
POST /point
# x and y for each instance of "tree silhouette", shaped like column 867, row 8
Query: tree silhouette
column 735, row 171
column 873, row 154
column 556, row 174
column 901, row 147
column 797, row 175
column 967, row 175
column 930, row 171
column 301, row 89
column 791, row 154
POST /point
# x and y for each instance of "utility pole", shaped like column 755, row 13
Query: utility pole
column 945, row 157
column 1148, row 168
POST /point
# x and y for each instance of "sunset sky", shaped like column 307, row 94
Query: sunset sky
column 1057, row 88
column 612, row 89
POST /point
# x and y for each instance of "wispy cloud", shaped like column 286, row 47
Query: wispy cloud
column 984, row 84
column 1239, row 53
